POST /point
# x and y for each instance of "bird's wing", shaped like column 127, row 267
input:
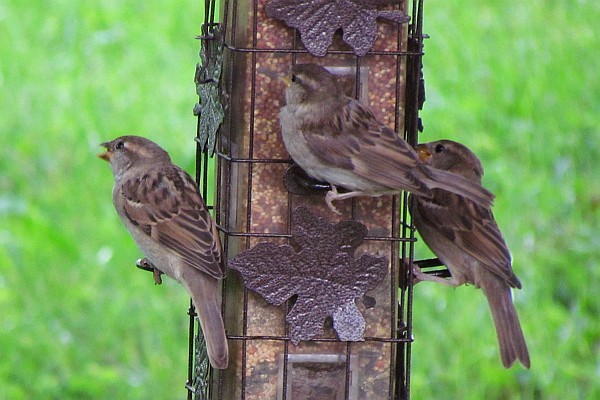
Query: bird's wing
column 470, row 227
column 354, row 139
column 165, row 204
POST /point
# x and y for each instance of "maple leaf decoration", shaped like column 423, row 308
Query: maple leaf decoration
column 323, row 274
column 317, row 21
column 207, row 77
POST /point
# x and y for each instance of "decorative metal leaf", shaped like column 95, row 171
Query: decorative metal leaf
column 323, row 274
column 208, row 73
column 317, row 21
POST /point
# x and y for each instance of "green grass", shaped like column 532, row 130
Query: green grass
column 79, row 320
column 518, row 83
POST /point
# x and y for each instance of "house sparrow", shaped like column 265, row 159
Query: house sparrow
column 466, row 238
column 163, row 211
column 336, row 139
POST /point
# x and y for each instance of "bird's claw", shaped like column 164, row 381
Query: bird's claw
column 146, row 265
column 330, row 197
column 156, row 275
column 418, row 275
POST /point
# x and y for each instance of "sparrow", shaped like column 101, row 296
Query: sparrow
column 337, row 139
column 162, row 209
column 465, row 237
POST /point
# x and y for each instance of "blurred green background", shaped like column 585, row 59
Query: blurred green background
column 518, row 83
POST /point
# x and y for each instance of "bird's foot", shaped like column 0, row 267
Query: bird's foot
column 418, row 275
column 333, row 194
column 440, row 276
column 146, row 265
column 330, row 197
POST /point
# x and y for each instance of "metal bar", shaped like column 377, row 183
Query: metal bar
column 288, row 236
column 288, row 339
column 304, row 51
column 254, row 160
column 348, row 370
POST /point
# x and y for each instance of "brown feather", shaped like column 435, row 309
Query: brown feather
column 466, row 238
column 181, row 222
column 162, row 208
column 472, row 228
column 338, row 139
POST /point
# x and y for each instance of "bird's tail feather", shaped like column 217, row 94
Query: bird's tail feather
column 204, row 292
column 508, row 329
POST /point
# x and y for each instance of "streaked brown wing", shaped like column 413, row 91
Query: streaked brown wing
column 470, row 227
column 355, row 140
column 166, row 204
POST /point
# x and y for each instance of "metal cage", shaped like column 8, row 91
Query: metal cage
column 251, row 206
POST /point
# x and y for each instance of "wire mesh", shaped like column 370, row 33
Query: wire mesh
column 251, row 206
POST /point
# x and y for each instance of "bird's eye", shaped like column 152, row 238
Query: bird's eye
column 439, row 148
column 120, row 145
column 294, row 79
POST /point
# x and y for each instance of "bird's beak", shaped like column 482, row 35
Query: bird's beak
column 423, row 153
column 286, row 78
column 107, row 155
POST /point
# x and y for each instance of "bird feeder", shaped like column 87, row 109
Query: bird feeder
column 316, row 305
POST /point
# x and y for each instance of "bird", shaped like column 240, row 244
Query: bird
column 162, row 209
column 465, row 237
column 337, row 139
